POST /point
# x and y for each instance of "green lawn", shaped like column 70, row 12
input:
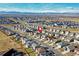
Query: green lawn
column 30, row 51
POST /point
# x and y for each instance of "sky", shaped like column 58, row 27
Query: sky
column 40, row 7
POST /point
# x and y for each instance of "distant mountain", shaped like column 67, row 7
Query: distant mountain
column 32, row 13
column 8, row 12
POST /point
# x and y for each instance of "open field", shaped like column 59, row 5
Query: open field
column 7, row 43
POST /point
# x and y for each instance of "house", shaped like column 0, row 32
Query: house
column 50, row 37
column 61, row 37
column 69, row 48
column 1, row 27
column 23, row 40
column 43, row 36
column 77, row 50
column 69, row 39
column 57, row 31
column 61, row 32
column 39, row 50
column 57, row 42
column 77, row 35
column 28, row 43
column 34, row 45
column 17, row 38
column 54, row 30
column 28, row 30
column 50, row 29
column 56, row 35
column 76, row 40
column 9, row 32
column 66, row 32
column 49, row 53
column 15, row 35
column 44, row 51
column 72, row 34
column 23, row 29
column 55, row 24
column 62, row 44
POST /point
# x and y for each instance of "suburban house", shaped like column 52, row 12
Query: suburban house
column 66, row 33
column 28, row 44
column 23, row 40
column 61, row 37
column 62, row 32
column 76, row 40
column 72, row 34
column 62, row 44
column 70, row 48
column 77, row 52
column 18, row 38
column 15, row 35
column 54, row 30
column 8, row 32
column 77, row 35
column 56, row 35
column 57, row 31
column 42, row 51
column 39, row 50
column 34, row 45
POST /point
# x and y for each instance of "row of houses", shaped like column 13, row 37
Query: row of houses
column 22, row 29
column 4, row 20
column 37, row 47
column 68, row 47
column 64, row 23
column 65, row 33
column 28, row 43
column 19, row 27
column 68, row 42
column 7, row 31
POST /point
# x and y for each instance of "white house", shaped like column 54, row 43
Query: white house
column 54, row 30
column 34, row 45
column 61, row 32
column 77, row 36
column 66, row 32
column 57, row 31
column 76, row 41
column 28, row 44
column 23, row 40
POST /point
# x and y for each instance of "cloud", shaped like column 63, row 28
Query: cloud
column 62, row 10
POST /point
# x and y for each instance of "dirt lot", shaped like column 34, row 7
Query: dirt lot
column 7, row 43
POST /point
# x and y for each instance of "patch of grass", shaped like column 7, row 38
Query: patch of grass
column 33, row 53
column 29, row 50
